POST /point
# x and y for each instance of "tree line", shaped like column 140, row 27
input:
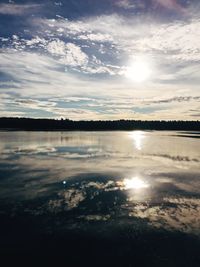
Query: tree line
column 100, row 125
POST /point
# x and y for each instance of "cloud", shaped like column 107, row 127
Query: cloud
column 175, row 158
column 16, row 9
column 67, row 200
column 174, row 41
column 171, row 4
column 36, row 41
column 62, row 94
column 34, row 104
column 96, row 37
column 70, row 53
column 168, row 45
column 176, row 214
column 96, row 217
column 56, row 47
column 174, row 99
column 63, row 59
column 38, row 74
column 5, row 113
column 126, row 4
column 67, row 53
column 74, row 55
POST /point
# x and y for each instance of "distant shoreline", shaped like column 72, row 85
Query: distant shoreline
column 192, row 134
column 30, row 124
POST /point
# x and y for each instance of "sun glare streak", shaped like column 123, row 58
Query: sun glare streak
column 134, row 183
column 138, row 137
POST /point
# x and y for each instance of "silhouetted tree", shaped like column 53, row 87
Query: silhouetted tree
column 69, row 125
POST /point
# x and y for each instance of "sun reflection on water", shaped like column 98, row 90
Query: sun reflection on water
column 138, row 137
column 133, row 183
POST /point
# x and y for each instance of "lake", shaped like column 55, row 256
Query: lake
column 101, row 198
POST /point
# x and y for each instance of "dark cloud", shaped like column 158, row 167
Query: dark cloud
column 176, row 99
column 176, row 158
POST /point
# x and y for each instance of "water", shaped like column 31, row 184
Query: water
column 69, row 188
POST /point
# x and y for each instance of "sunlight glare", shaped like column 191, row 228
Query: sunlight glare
column 138, row 136
column 138, row 71
column 134, row 183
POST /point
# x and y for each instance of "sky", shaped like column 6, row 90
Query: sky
column 107, row 60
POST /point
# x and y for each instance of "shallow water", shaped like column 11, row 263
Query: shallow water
column 101, row 184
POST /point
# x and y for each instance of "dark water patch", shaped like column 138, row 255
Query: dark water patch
column 175, row 158
column 195, row 133
column 189, row 136
column 96, row 244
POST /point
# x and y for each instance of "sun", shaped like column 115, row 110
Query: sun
column 138, row 71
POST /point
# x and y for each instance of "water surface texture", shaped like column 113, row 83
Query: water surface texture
column 142, row 188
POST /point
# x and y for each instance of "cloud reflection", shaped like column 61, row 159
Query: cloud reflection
column 101, row 176
column 180, row 214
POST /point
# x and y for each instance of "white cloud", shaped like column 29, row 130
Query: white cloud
column 37, row 74
column 5, row 113
column 36, row 41
column 178, row 39
column 42, row 77
column 96, row 37
column 99, row 69
column 74, row 56
column 167, row 44
column 70, row 53
column 70, row 66
column 34, row 103
column 57, row 47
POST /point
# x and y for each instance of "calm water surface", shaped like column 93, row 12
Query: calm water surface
column 101, row 184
